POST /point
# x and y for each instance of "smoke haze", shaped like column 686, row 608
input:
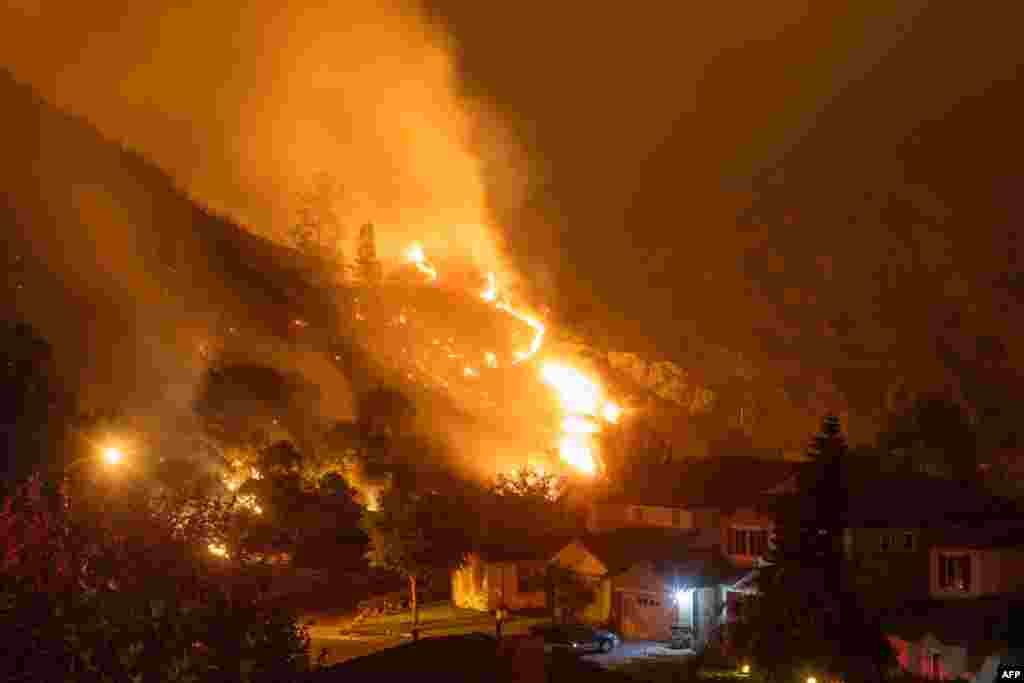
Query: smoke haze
column 245, row 104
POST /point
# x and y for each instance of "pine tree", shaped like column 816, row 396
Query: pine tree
column 805, row 620
column 368, row 267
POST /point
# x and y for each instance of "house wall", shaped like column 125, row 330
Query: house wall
column 709, row 525
column 485, row 586
column 611, row 516
column 743, row 518
column 894, row 574
column 1005, row 567
column 576, row 557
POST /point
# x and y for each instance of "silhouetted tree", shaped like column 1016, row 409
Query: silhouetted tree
column 416, row 536
column 805, row 619
column 33, row 418
column 368, row 267
column 934, row 435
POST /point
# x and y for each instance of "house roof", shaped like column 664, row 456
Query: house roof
column 670, row 551
column 993, row 534
column 881, row 498
column 725, row 481
column 522, row 547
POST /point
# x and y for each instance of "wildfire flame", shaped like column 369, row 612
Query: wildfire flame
column 581, row 397
column 416, row 256
column 218, row 549
column 491, row 295
column 576, row 450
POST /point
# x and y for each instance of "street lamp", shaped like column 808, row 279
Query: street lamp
column 112, row 455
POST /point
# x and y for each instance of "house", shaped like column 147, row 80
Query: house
column 894, row 521
column 510, row 575
column 645, row 581
column 649, row 580
column 974, row 572
column 725, row 501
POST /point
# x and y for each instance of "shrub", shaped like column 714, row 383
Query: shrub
column 79, row 603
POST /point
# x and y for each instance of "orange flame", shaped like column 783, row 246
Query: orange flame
column 416, row 256
column 491, row 295
column 576, row 450
column 578, row 394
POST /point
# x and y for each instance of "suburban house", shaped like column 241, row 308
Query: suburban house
column 973, row 572
column 674, row 552
column 649, row 581
column 894, row 522
column 509, row 575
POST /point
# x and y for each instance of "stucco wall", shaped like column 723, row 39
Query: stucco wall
column 610, row 516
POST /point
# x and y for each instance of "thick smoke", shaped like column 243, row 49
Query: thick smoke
column 246, row 103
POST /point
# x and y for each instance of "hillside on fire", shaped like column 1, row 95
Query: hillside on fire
column 209, row 327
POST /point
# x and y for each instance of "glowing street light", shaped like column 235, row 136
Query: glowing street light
column 112, row 456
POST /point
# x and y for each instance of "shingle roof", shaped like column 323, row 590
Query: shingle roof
column 670, row 551
column 991, row 534
column 522, row 548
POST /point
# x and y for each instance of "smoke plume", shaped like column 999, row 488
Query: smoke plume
column 245, row 104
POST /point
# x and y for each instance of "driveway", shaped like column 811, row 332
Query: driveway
column 637, row 650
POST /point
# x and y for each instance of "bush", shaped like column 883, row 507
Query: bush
column 128, row 602
column 113, row 636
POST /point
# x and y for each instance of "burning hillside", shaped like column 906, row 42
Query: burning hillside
column 444, row 336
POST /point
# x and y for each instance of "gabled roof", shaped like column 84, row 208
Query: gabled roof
column 522, row 548
column 993, row 534
column 671, row 552
column 875, row 497
column 725, row 482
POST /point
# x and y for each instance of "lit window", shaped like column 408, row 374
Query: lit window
column 955, row 572
column 749, row 542
column 677, row 518
column 638, row 514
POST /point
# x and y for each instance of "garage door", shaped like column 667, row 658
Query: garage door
column 646, row 616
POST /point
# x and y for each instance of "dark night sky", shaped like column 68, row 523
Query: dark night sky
column 829, row 189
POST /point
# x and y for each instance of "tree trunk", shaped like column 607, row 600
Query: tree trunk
column 414, row 603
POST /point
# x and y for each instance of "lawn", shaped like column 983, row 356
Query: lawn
column 343, row 641
column 444, row 618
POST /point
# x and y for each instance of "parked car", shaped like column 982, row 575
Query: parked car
column 576, row 639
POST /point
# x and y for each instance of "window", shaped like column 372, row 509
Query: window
column 677, row 518
column 752, row 542
column 885, row 542
column 908, row 540
column 638, row 513
column 955, row 572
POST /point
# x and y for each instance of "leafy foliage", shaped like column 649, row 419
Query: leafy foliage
column 124, row 599
column 417, row 536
